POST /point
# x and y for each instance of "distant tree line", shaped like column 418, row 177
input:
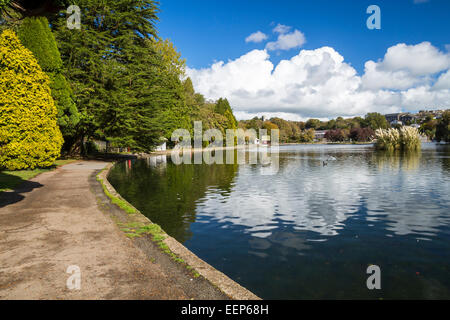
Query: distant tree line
column 355, row 129
column 436, row 129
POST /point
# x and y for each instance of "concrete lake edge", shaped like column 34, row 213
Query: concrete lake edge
column 226, row 285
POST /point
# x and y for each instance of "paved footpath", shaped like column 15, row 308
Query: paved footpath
column 52, row 222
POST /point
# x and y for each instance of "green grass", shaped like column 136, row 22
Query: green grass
column 11, row 179
column 116, row 200
column 136, row 229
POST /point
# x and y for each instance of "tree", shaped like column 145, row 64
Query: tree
column 331, row 124
column 312, row 124
column 338, row 135
column 35, row 34
column 29, row 134
column 269, row 126
column 286, row 132
column 429, row 128
column 443, row 128
column 172, row 60
column 223, row 107
column 362, row 134
column 307, row 136
column 16, row 9
column 123, row 79
column 376, row 120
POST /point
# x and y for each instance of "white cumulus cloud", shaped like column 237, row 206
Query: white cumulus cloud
column 256, row 37
column 405, row 66
column 287, row 41
column 280, row 28
column 319, row 83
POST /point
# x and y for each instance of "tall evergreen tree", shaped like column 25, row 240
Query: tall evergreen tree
column 35, row 34
column 121, row 79
column 223, row 107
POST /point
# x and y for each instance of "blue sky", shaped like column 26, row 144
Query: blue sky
column 206, row 32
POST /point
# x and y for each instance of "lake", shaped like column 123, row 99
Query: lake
column 311, row 230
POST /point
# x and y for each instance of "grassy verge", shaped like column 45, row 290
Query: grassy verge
column 11, row 179
column 138, row 229
column 116, row 200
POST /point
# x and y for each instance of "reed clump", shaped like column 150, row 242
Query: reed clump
column 405, row 138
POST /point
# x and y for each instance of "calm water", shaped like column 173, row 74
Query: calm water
column 310, row 231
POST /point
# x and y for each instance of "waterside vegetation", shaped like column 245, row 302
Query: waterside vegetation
column 405, row 139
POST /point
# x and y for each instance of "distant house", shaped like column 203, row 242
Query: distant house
column 162, row 146
column 407, row 117
column 391, row 117
column 265, row 140
column 319, row 135
column 400, row 118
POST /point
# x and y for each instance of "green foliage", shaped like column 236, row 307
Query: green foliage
column 290, row 131
column 269, row 126
column 218, row 115
column 116, row 200
column 337, row 130
column 376, row 121
column 428, row 128
column 125, row 81
column 18, row 9
column 29, row 134
column 172, row 62
column 313, row 124
column 443, row 128
column 307, row 136
column 223, row 107
column 35, row 34
column 210, row 120
column 4, row 3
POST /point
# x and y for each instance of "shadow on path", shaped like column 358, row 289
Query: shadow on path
column 23, row 186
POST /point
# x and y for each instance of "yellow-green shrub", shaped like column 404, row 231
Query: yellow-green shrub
column 29, row 134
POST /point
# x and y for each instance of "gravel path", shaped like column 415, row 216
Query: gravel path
column 55, row 221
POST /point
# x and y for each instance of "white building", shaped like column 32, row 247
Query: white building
column 162, row 145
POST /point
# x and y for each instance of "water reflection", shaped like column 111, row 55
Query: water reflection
column 168, row 193
column 397, row 160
